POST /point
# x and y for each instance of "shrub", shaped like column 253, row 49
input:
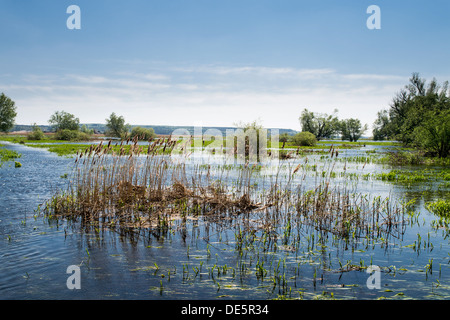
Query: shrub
column 143, row 133
column 304, row 139
column 36, row 134
column 71, row 135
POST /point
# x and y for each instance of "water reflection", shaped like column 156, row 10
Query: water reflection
column 201, row 258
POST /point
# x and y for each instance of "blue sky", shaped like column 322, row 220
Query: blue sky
column 216, row 62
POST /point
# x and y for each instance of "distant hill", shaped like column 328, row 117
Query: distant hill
column 162, row 130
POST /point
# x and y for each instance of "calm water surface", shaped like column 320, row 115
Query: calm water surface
column 36, row 252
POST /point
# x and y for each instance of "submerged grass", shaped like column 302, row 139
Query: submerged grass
column 415, row 176
column 440, row 207
column 279, row 230
column 8, row 155
column 412, row 158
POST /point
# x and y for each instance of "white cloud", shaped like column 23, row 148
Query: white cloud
column 212, row 95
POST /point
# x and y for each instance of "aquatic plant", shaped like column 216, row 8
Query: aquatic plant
column 440, row 208
column 8, row 155
column 139, row 188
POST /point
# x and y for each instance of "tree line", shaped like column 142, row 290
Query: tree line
column 418, row 116
column 67, row 126
column 325, row 126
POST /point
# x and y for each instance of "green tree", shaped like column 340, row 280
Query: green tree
column 434, row 134
column 352, row 130
column 7, row 113
column 62, row 120
column 418, row 116
column 321, row 125
column 85, row 130
column 116, row 126
column 382, row 126
column 284, row 137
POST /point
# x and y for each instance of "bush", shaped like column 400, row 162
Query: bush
column 71, row 135
column 304, row 139
column 143, row 133
column 36, row 134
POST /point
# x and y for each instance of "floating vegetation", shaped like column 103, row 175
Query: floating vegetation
column 440, row 207
column 266, row 231
column 8, row 155
column 412, row 158
column 415, row 176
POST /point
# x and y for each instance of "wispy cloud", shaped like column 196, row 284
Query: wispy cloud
column 212, row 95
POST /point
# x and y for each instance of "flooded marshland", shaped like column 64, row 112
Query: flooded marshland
column 198, row 226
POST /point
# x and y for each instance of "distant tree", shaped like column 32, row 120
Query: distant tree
column 116, row 126
column 62, row 120
column 251, row 146
column 284, row 137
column 143, row 133
column 85, row 129
column 321, row 125
column 352, row 130
column 381, row 126
column 7, row 113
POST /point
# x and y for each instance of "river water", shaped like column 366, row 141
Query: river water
column 35, row 252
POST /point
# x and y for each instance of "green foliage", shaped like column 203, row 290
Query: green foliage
column 143, row 133
column 61, row 149
column 434, row 133
column 382, row 126
column 36, row 133
column 284, row 137
column 304, row 139
column 403, row 176
column 7, row 155
column 412, row 158
column 321, row 125
column 352, row 130
column 62, row 120
column 7, row 113
column 71, row 135
column 419, row 116
column 440, row 208
column 116, row 126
